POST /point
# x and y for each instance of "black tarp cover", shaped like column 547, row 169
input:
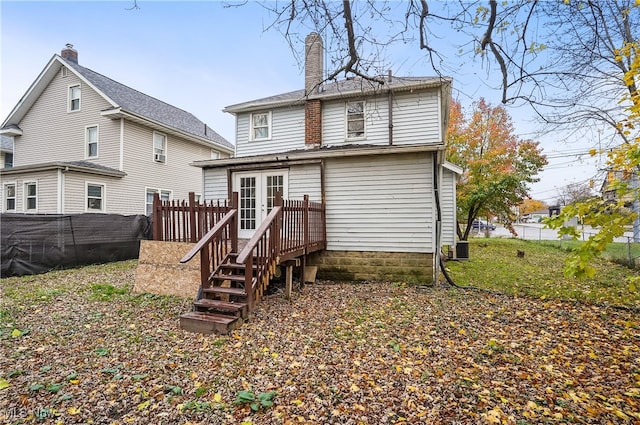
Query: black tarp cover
column 32, row 244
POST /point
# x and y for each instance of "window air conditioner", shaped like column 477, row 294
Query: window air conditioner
column 158, row 157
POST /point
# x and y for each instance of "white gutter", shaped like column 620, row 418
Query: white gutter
column 338, row 152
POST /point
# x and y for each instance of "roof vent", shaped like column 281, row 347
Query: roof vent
column 70, row 53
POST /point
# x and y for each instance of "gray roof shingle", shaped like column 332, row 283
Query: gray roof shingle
column 149, row 107
column 342, row 88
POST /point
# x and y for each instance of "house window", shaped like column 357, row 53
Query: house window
column 74, row 98
column 355, row 120
column 10, row 197
column 261, row 126
column 95, row 197
column 91, row 137
column 165, row 195
column 8, row 160
column 215, row 154
column 31, row 196
column 159, row 147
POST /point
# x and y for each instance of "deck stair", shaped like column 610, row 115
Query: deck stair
column 222, row 306
column 234, row 274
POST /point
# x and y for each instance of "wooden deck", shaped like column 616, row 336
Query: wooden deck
column 234, row 273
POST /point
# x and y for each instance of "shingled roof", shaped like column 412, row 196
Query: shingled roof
column 342, row 89
column 122, row 99
column 133, row 101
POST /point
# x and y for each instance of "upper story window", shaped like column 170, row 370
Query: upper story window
column 31, row 196
column 261, row 126
column 159, row 147
column 74, row 98
column 95, row 197
column 355, row 120
column 8, row 160
column 91, row 139
column 10, row 197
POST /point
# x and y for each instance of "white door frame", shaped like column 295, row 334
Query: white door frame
column 256, row 194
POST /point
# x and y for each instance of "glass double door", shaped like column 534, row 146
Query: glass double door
column 256, row 197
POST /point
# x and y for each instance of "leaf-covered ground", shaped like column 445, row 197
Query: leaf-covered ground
column 77, row 347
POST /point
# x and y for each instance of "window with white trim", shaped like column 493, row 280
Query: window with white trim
column 261, row 126
column 95, row 197
column 74, row 98
column 8, row 160
column 355, row 120
column 159, row 147
column 165, row 195
column 10, row 197
column 31, row 196
column 91, row 139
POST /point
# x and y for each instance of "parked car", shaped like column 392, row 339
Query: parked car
column 482, row 225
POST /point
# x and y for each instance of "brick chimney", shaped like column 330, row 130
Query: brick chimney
column 69, row 53
column 313, row 76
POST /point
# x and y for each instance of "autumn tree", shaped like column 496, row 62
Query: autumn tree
column 611, row 219
column 498, row 166
column 529, row 206
column 573, row 193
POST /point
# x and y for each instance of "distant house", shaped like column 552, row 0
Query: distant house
column 86, row 143
column 372, row 151
column 610, row 185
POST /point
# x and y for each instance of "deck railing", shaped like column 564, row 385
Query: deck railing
column 216, row 245
column 303, row 226
column 291, row 229
column 186, row 221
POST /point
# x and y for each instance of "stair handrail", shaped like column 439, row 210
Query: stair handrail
column 209, row 236
column 214, row 247
column 266, row 260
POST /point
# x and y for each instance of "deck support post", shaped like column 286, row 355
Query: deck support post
column 290, row 264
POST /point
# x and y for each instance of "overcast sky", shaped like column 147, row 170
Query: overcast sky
column 203, row 56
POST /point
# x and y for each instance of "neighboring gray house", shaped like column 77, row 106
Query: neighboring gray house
column 372, row 151
column 86, row 143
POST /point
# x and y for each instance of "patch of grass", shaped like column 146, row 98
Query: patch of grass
column 493, row 264
column 105, row 292
column 618, row 252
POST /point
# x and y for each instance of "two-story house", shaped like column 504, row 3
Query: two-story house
column 373, row 151
column 84, row 143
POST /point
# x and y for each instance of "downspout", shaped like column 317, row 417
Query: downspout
column 438, row 235
column 390, row 107
column 121, row 144
column 60, row 200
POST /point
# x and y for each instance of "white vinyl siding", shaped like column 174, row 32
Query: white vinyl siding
column 287, row 133
column 380, row 203
column 416, row 120
column 305, row 180
column 215, row 184
column 67, row 141
column 448, row 206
